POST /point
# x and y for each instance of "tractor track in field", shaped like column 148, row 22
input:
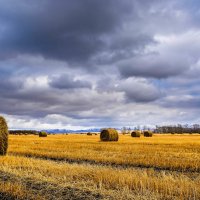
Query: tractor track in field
column 108, row 164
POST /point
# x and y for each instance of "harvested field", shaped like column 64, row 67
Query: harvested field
column 82, row 167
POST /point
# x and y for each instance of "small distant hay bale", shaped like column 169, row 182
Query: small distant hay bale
column 89, row 133
column 148, row 134
column 42, row 134
column 3, row 136
column 135, row 134
column 109, row 134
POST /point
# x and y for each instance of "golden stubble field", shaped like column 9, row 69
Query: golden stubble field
column 82, row 167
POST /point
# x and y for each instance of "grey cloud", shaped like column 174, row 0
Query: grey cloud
column 67, row 82
column 139, row 90
column 123, row 46
column 169, row 56
column 153, row 66
column 181, row 101
column 106, row 84
column 38, row 102
column 8, row 83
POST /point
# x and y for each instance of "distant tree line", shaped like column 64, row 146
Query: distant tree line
column 179, row 129
column 125, row 130
column 23, row 132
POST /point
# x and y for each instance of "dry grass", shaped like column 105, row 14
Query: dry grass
column 85, row 168
column 173, row 152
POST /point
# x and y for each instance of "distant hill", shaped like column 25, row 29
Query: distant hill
column 71, row 131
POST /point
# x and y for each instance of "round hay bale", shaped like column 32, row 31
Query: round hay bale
column 148, row 134
column 42, row 134
column 135, row 134
column 3, row 136
column 89, row 133
column 109, row 134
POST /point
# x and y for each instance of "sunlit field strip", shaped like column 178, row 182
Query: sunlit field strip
column 83, row 181
column 172, row 152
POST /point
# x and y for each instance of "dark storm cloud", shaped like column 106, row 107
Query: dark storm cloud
column 67, row 82
column 81, row 30
column 68, row 30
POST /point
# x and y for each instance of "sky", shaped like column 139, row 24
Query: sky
column 80, row 64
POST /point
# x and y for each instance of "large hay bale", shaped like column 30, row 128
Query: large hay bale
column 42, row 134
column 109, row 134
column 135, row 134
column 148, row 134
column 3, row 136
